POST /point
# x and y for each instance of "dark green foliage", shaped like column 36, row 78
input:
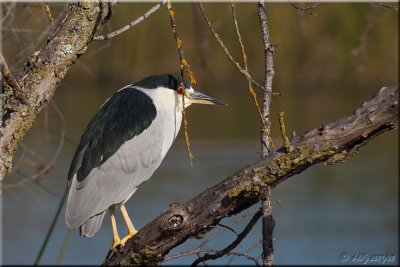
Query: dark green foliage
column 124, row 115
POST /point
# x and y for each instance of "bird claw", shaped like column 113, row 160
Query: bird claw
column 116, row 243
column 126, row 238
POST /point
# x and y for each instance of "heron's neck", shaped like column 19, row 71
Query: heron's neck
column 169, row 113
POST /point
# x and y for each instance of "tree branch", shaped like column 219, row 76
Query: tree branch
column 234, row 244
column 130, row 25
column 267, row 146
column 335, row 142
column 45, row 69
column 216, row 35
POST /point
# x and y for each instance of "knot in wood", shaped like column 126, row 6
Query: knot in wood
column 175, row 218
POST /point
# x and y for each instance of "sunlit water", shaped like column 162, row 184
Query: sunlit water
column 325, row 215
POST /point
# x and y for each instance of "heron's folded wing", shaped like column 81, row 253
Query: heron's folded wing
column 123, row 116
column 117, row 178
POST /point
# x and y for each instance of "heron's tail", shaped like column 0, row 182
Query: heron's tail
column 91, row 226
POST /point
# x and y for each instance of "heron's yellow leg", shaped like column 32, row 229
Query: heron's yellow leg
column 131, row 229
column 116, row 240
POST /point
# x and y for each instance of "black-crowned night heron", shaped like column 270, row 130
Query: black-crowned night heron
column 122, row 146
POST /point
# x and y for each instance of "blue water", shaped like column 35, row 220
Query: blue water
column 320, row 214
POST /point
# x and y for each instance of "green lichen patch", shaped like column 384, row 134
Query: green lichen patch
column 249, row 187
column 144, row 256
column 203, row 232
column 283, row 165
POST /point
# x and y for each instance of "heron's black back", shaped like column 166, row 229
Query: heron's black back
column 124, row 115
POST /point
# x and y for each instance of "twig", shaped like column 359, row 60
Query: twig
column 224, row 229
column 244, row 255
column 371, row 20
column 286, row 142
column 50, row 231
column 266, row 142
column 199, row 250
column 264, row 126
column 225, row 251
column 236, row 64
column 184, row 66
column 43, row 170
column 64, row 247
column 46, row 5
column 130, row 25
column 387, row 6
column 305, row 9
column 253, row 246
column 9, row 79
column 228, row 228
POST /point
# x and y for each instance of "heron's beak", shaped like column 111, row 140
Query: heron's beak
column 200, row 98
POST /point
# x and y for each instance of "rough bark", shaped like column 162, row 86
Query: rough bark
column 44, row 70
column 268, row 222
column 332, row 143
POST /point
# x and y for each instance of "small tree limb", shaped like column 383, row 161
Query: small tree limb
column 130, row 25
column 233, row 245
column 336, row 142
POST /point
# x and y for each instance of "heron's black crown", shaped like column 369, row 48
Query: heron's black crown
column 161, row 80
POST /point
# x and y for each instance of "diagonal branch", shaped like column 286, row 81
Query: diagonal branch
column 335, row 142
column 216, row 35
column 306, row 9
column 233, row 245
column 130, row 25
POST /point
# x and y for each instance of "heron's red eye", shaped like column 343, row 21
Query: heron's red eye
column 179, row 90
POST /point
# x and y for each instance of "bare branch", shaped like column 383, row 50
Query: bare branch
column 286, row 142
column 267, row 147
column 199, row 250
column 46, row 5
column 264, row 126
column 130, row 25
column 396, row 8
column 306, row 9
column 183, row 66
column 44, row 169
column 216, row 35
column 371, row 20
column 224, row 229
column 236, row 242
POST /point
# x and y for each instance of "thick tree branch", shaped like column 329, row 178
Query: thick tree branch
column 332, row 143
column 45, row 69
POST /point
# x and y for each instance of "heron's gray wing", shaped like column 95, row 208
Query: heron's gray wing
column 124, row 115
column 115, row 180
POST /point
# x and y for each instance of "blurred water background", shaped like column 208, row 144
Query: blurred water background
column 323, row 69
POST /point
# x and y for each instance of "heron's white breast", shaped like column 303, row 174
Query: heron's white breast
column 169, row 113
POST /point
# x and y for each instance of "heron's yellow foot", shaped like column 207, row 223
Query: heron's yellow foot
column 131, row 229
column 130, row 234
column 115, row 243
